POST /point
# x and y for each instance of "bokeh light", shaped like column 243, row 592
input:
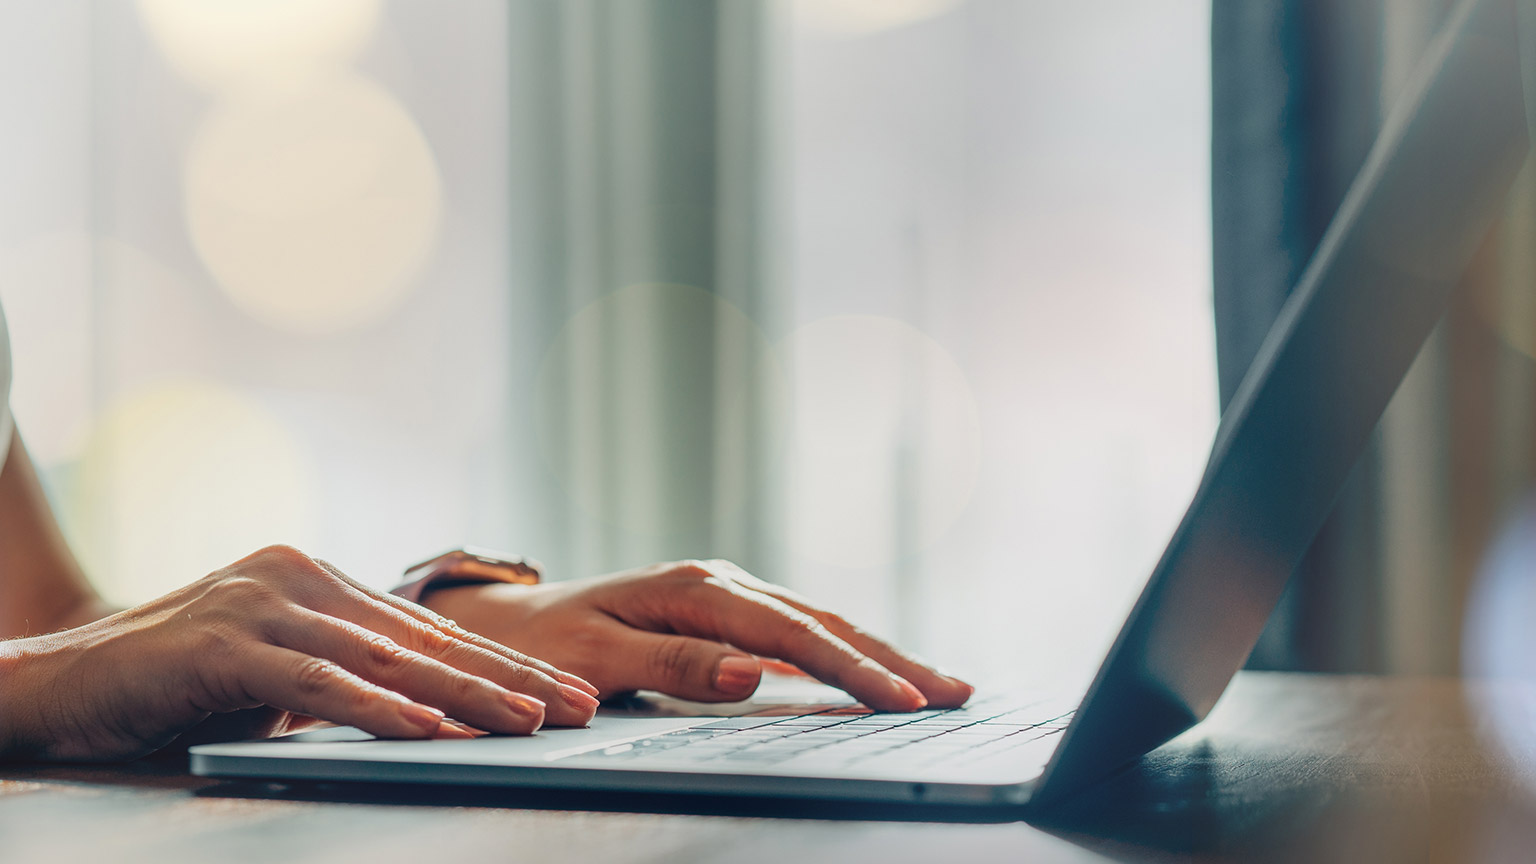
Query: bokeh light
column 1499, row 642
column 852, row 17
column 46, row 281
column 886, row 442
column 48, row 285
column 183, row 478
column 218, row 43
column 314, row 204
column 618, row 402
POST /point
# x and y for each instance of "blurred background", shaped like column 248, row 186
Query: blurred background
column 907, row 304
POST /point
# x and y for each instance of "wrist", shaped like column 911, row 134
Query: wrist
column 18, row 704
column 476, row 607
column 10, row 666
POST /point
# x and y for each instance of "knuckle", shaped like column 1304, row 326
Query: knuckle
column 834, row 621
column 282, row 555
column 464, row 687
column 383, row 653
column 443, row 630
column 722, row 566
column 285, row 563
column 671, row 660
column 426, row 639
column 726, row 572
column 217, row 644
column 237, row 591
column 804, row 628
column 315, row 674
column 692, row 570
column 697, row 576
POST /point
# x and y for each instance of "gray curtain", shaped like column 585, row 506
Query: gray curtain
column 1298, row 91
column 640, row 196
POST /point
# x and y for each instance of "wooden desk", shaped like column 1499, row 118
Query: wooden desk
column 1289, row 767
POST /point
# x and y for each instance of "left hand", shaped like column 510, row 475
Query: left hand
column 685, row 629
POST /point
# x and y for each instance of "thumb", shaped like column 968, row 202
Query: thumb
column 690, row 668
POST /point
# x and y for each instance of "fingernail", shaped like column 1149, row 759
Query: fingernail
column 737, row 674
column 421, row 716
column 526, row 707
column 449, row 731
column 577, row 699
column 582, row 684
column 914, row 695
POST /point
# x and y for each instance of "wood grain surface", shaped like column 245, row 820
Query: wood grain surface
column 1289, row 767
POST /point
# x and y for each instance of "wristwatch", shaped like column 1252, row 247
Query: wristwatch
column 467, row 566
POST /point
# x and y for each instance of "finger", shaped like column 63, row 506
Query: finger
column 681, row 666
column 455, row 731
column 565, row 704
column 769, row 664
column 291, row 681
column 943, row 691
column 425, row 615
column 761, row 624
column 381, row 660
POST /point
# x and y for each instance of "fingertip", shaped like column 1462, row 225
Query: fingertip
column 912, row 697
column 951, row 693
column 577, row 707
column 771, row 664
column 737, row 675
column 966, row 690
column 423, row 719
column 527, row 711
column 453, row 731
column 579, row 683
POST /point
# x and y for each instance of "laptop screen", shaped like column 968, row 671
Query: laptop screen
column 1424, row 201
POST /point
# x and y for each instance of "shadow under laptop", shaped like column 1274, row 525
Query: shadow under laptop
column 1287, row 805
column 1177, row 802
column 413, row 795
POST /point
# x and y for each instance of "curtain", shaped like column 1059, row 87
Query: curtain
column 1298, row 91
column 640, row 191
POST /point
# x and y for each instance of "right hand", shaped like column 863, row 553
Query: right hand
column 280, row 631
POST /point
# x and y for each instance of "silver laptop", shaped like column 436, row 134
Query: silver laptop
column 1424, row 200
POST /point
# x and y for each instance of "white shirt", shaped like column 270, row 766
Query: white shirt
column 5, row 388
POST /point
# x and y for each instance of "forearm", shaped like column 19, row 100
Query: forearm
column 42, row 587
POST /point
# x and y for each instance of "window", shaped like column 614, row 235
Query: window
column 264, row 267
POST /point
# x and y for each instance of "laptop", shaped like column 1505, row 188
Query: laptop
column 1425, row 199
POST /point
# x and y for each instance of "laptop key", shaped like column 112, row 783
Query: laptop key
column 844, row 740
column 741, row 723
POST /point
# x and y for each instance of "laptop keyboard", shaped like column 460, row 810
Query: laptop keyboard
column 845, row 737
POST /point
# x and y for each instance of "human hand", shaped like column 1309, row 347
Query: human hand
column 672, row 627
column 276, row 629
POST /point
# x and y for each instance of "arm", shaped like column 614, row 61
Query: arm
column 268, row 642
column 42, row 583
